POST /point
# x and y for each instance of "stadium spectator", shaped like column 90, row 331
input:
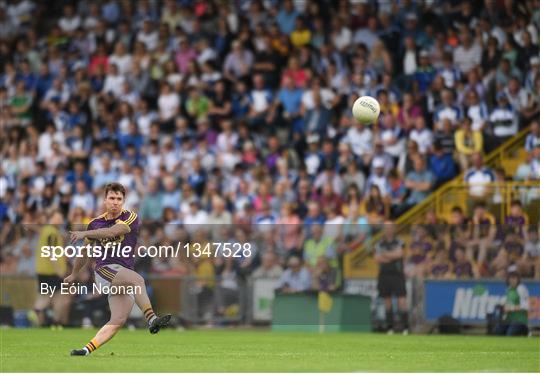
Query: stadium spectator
column 516, row 307
column 442, row 165
column 468, row 142
column 269, row 267
column 479, row 177
column 296, row 278
column 463, row 268
column 325, row 276
column 530, row 262
column 420, row 181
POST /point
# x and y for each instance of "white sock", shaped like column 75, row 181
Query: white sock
column 86, row 350
column 151, row 320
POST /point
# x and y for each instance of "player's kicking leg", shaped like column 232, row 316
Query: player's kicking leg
column 127, row 277
column 120, row 306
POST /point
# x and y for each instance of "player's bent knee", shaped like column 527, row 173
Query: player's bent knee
column 118, row 322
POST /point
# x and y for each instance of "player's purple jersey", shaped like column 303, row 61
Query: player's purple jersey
column 130, row 239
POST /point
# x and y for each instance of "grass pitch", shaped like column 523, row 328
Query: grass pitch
column 43, row 350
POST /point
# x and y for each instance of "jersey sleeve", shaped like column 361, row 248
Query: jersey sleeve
column 131, row 220
column 89, row 226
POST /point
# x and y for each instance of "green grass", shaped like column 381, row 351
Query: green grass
column 263, row 351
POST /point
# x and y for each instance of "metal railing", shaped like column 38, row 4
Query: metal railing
column 507, row 156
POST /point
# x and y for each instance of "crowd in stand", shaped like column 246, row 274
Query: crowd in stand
column 237, row 114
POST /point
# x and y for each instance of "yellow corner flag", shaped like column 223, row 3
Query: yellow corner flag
column 325, row 302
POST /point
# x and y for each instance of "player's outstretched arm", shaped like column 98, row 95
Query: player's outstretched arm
column 106, row 232
column 79, row 264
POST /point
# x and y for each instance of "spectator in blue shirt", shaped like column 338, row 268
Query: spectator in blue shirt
column 104, row 176
column 425, row 73
column 79, row 172
column 442, row 165
column 447, row 109
column 172, row 196
column 290, row 98
column 286, row 17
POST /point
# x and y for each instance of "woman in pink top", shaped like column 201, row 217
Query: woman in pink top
column 289, row 230
column 299, row 75
column 408, row 113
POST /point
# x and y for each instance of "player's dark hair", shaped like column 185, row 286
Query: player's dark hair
column 115, row 187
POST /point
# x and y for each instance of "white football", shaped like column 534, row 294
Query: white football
column 366, row 109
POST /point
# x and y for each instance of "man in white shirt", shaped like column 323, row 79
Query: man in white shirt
column 195, row 219
column 468, row 54
column 421, row 135
column 478, row 177
column 503, row 118
column 447, row 109
column 148, row 35
column 121, row 59
column 360, row 138
column 70, row 21
column 113, row 81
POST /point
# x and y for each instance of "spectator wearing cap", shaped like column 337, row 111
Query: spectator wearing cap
column 468, row 142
